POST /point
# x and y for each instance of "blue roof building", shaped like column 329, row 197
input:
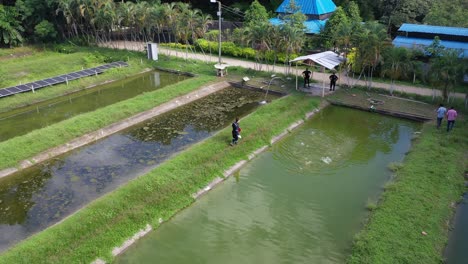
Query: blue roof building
column 316, row 11
column 420, row 36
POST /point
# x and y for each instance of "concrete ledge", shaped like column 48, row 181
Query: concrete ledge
column 98, row 261
column 257, row 152
column 210, row 186
column 118, row 250
column 280, row 136
column 116, row 127
column 295, row 125
column 234, row 168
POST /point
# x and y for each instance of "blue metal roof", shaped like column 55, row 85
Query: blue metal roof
column 309, row 7
column 401, row 41
column 312, row 26
column 458, row 31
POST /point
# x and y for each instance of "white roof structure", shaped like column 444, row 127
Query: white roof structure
column 327, row 59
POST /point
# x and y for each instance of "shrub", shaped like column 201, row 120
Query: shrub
column 45, row 31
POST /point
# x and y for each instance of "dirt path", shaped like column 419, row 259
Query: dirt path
column 318, row 76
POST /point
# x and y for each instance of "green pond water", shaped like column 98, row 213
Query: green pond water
column 22, row 121
column 456, row 251
column 38, row 197
column 302, row 201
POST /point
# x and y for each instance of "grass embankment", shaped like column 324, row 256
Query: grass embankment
column 43, row 64
column 108, row 221
column 19, row 148
column 419, row 199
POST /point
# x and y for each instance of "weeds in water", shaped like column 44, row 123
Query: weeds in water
column 371, row 204
column 395, row 166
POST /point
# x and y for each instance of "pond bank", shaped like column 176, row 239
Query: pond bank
column 95, row 230
column 410, row 222
column 113, row 128
column 14, row 155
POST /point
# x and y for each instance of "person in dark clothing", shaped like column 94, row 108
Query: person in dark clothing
column 235, row 131
column 333, row 79
column 306, row 74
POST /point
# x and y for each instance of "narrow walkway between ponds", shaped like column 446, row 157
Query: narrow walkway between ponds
column 24, row 120
column 302, row 201
column 43, row 195
column 318, row 76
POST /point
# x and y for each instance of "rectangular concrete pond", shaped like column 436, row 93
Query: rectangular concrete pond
column 40, row 196
column 301, row 201
column 25, row 120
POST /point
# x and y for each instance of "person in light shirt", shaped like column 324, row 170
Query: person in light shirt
column 451, row 116
column 441, row 111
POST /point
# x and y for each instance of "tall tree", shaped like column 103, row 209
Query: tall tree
column 447, row 70
column 452, row 13
column 10, row 26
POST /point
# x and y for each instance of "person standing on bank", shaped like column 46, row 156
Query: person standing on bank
column 441, row 111
column 306, row 74
column 235, row 131
column 451, row 116
column 333, row 78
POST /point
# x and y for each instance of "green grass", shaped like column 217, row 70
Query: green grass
column 19, row 148
column 45, row 64
column 429, row 180
column 108, row 221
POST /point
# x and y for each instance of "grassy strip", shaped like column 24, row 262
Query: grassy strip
column 419, row 200
column 41, row 65
column 19, row 148
column 107, row 222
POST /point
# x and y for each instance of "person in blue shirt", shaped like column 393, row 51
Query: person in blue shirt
column 440, row 114
column 235, row 131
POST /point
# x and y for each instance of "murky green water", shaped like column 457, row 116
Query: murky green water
column 300, row 202
column 41, row 196
column 456, row 251
column 25, row 120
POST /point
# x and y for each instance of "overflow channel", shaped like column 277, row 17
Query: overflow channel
column 301, row 201
column 22, row 121
column 41, row 196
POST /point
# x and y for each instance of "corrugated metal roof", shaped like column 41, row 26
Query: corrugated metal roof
column 401, row 41
column 328, row 59
column 309, row 7
column 458, row 31
column 312, row 26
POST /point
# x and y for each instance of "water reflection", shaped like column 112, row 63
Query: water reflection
column 16, row 123
column 287, row 205
column 45, row 194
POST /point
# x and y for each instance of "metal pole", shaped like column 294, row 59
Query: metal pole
column 219, row 37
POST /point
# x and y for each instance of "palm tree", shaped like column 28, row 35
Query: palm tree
column 395, row 64
column 447, row 70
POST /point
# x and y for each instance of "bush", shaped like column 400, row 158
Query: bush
column 45, row 31
column 65, row 48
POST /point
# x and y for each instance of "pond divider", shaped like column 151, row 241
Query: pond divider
column 409, row 116
column 116, row 127
column 227, row 173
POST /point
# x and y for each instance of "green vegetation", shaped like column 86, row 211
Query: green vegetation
column 104, row 224
column 419, row 200
column 20, row 148
column 41, row 64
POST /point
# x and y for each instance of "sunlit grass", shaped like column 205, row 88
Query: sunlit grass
column 418, row 200
column 107, row 222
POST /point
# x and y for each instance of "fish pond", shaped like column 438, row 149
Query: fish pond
column 302, row 201
column 24, row 120
column 456, row 252
column 38, row 197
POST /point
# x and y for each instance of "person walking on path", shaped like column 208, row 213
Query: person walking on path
column 441, row 111
column 333, row 78
column 306, row 74
column 451, row 116
column 235, row 131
